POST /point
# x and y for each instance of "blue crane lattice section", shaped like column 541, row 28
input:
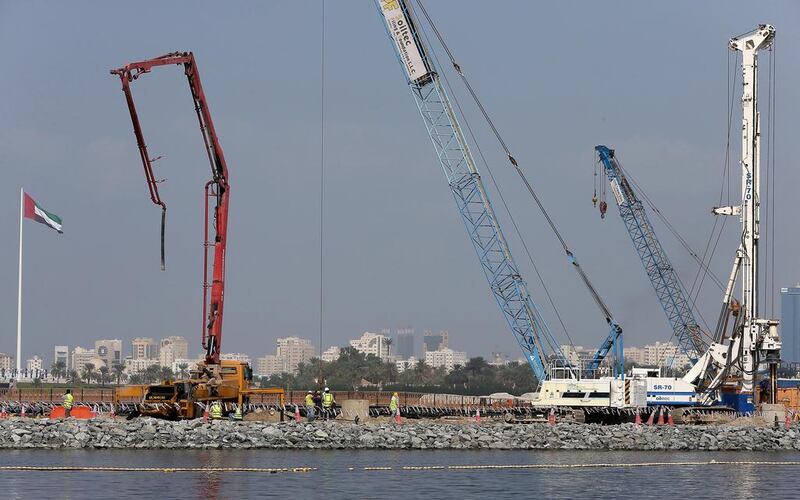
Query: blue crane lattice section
column 612, row 344
column 659, row 270
column 506, row 283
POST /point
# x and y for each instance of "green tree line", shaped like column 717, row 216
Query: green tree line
column 354, row 371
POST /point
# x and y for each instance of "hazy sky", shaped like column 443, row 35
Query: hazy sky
column 648, row 79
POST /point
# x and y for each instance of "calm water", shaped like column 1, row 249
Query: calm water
column 334, row 480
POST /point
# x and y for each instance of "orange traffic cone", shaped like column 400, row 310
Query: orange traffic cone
column 297, row 414
column 397, row 416
column 22, row 411
column 638, row 420
column 551, row 418
column 3, row 413
column 670, row 422
column 205, row 413
column 650, row 418
column 660, row 416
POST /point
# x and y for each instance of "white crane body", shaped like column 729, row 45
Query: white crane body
column 754, row 339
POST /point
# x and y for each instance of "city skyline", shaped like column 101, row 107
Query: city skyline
column 395, row 249
column 171, row 352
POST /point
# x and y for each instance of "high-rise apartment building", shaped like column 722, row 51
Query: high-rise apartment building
column 144, row 348
column 61, row 353
column 790, row 324
column 655, row 354
column 35, row 365
column 138, row 365
column 295, row 351
column 110, row 351
column 271, row 364
column 6, row 363
column 376, row 344
column 404, row 342
column 81, row 357
column 435, row 341
column 635, row 355
column 172, row 348
column 446, row 357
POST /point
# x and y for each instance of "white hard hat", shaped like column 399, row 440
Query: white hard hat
column 326, row 389
column 309, row 392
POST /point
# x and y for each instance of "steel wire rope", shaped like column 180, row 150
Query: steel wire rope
column 485, row 164
column 726, row 175
column 726, row 181
column 513, row 161
column 321, row 186
column 771, row 193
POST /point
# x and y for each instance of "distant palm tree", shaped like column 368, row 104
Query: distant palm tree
column 118, row 371
column 183, row 370
column 151, row 374
column 88, row 372
column 103, row 374
column 58, row 369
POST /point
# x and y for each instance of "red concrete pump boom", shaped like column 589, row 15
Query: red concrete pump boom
column 216, row 188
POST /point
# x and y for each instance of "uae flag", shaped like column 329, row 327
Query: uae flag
column 39, row 214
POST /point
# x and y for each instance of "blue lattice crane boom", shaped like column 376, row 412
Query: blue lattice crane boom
column 670, row 293
column 505, row 280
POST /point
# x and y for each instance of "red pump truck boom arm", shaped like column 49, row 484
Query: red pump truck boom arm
column 217, row 189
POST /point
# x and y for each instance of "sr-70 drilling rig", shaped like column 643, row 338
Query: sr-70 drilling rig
column 212, row 379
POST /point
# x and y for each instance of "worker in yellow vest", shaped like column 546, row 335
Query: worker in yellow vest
column 327, row 404
column 310, row 406
column 216, row 410
column 237, row 415
column 394, row 403
column 68, row 399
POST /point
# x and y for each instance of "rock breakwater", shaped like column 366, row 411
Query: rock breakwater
column 158, row 434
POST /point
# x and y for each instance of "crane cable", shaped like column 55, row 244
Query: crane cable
column 726, row 181
column 573, row 260
column 454, row 98
column 770, row 208
column 321, row 184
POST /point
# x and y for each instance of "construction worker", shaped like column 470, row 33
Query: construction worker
column 327, row 403
column 317, row 399
column 216, row 410
column 310, row 406
column 237, row 415
column 394, row 403
column 68, row 399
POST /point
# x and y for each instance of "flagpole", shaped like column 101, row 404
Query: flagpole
column 19, row 287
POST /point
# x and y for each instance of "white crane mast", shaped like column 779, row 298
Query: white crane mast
column 757, row 340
